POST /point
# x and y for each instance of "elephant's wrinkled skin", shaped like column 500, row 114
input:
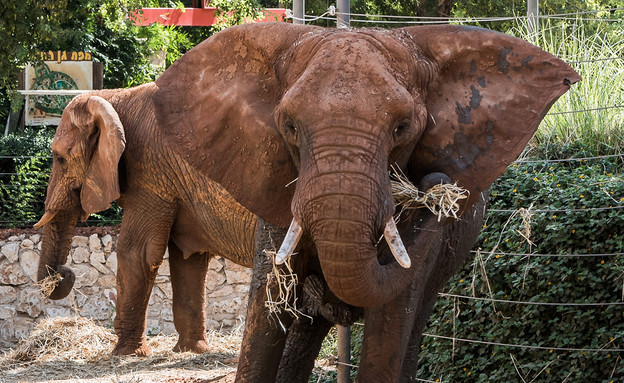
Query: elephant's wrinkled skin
column 107, row 147
column 333, row 109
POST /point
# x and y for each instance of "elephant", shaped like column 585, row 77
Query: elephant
column 300, row 124
column 107, row 148
column 295, row 128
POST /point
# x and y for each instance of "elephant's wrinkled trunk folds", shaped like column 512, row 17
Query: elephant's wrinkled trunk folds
column 345, row 215
column 56, row 242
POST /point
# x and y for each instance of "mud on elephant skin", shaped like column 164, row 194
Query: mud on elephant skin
column 107, row 148
column 333, row 109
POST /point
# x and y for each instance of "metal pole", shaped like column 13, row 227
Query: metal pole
column 533, row 16
column 6, row 129
column 298, row 11
column 344, row 354
column 344, row 8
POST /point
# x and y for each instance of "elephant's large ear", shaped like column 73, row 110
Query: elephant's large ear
column 490, row 93
column 101, row 186
column 215, row 108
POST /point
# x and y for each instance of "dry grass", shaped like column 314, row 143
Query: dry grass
column 49, row 283
column 77, row 349
column 442, row 200
column 73, row 338
column 285, row 279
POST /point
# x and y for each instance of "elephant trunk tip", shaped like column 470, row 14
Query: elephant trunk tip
column 58, row 283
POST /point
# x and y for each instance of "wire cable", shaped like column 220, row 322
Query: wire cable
column 580, row 159
column 571, row 304
column 487, row 18
column 602, row 255
column 548, row 348
column 587, row 110
column 559, row 210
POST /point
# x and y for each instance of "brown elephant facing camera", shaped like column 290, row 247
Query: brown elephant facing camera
column 256, row 107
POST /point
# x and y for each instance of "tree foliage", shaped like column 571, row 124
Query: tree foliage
column 102, row 27
column 235, row 12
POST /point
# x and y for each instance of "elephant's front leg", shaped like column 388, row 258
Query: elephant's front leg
column 386, row 337
column 188, row 281
column 305, row 337
column 388, row 328
column 456, row 241
column 263, row 339
column 140, row 250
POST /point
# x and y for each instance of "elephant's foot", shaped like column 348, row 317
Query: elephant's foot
column 125, row 348
column 195, row 346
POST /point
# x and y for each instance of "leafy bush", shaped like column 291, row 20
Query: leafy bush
column 560, row 198
column 25, row 165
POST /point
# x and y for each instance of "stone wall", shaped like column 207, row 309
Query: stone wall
column 94, row 261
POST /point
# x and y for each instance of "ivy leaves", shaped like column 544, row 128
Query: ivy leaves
column 575, row 211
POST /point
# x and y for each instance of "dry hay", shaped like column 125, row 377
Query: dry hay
column 77, row 349
column 442, row 200
column 286, row 282
column 74, row 338
column 49, row 283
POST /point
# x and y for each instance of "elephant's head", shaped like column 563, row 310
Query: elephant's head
column 86, row 150
column 268, row 104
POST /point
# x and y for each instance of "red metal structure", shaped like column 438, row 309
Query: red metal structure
column 196, row 17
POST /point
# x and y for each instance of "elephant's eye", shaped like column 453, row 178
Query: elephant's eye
column 61, row 161
column 290, row 127
column 401, row 128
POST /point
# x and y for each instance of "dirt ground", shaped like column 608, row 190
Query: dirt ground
column 56, row 356
column 162, row 368
column 78, row 350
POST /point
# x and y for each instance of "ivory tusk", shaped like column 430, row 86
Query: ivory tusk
column 391, row 233
column 290, row 242
column 47, row 217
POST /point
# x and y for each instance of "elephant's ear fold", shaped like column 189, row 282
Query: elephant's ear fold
column 485, row 102
column 215, row 105
column 101, row 186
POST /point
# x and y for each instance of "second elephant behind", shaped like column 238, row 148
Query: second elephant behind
column 107, row 148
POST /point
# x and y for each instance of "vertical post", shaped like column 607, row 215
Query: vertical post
column 344, row 354
column 298, row 11
column 533, row 16
column 98, row 75
column 344, row 8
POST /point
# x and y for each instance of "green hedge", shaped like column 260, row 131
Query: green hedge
column 563, row 199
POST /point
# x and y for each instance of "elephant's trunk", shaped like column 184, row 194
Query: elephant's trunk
column 56, row 242
column 352, row 269
column 346, row 215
